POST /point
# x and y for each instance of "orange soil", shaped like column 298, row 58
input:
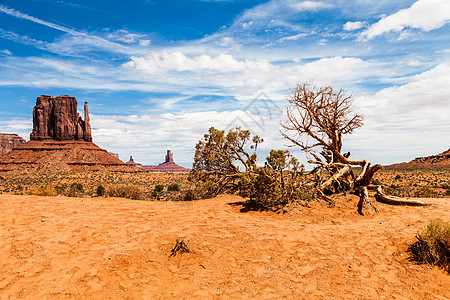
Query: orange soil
column 57, row 247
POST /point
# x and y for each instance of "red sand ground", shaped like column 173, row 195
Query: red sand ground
column 57, row 247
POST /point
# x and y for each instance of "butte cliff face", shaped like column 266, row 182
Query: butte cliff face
column 57, row 118
column 9, row 141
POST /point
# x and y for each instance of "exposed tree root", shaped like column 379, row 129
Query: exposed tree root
column 364, row 201
column 393, row 200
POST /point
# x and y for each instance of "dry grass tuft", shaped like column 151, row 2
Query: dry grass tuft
column 43, row 190
column 433, row 244
column 129, row 191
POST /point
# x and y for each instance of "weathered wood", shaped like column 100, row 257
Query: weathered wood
column 364, row 203
column 381, row 197
column 341, row 173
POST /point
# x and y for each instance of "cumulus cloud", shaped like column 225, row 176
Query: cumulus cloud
column 423, row 14
column 350, row 26
column 162, row 62
column 407, row 120
column 245, row 77
column 311, row 5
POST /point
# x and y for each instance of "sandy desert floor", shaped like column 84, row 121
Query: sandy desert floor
column 58, row 247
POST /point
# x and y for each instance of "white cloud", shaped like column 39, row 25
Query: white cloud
column 424, row 14
column 293, row 37
column 311, row 5
column 22, row 127
column 350, row 26
column 332, row 70
column 407, row 120
column 129, row 38
column 5, row 52
column 247, row 24
column 144, row 43
column 162, row 62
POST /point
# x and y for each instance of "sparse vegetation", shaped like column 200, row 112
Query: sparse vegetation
column 129, row 191
column 180, row 247
column 174, row 187
column 61, row 182
column 43, row 190
column 75, row 190
column 219, row 157
column 433, row 244
column 101, row 190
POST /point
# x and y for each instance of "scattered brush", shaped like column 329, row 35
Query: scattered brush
column 100, row 191
column 433, row 244
column 43, row 190
column 129, row 191
column 75, row 190
column 180, row 246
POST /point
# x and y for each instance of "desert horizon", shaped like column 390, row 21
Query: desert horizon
column 223, row 149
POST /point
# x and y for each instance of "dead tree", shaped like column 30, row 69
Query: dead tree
column 324, row 116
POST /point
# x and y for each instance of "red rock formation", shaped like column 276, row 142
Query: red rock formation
column 168, row 166
column 57, row 118
column 60, row 142
column 169, row 157
column 9, row 141
column 438, row 161
column 61, row 156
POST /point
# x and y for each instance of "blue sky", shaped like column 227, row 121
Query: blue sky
column 158, row 74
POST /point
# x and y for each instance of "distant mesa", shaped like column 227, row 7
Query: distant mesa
column 168, row 166
column 438, row 161
column 9, row 141
column 61, row 141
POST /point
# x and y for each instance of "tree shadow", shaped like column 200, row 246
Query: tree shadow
column 249, row 205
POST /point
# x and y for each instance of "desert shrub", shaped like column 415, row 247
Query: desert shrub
column 155, row 195
column 159, row 188
column 190, row 195
column 427, row 192
column 279, row 182
column 174, row 187
column 433, row 244
column 100, row 190
column 129, row 191
column 61, row 189
column 43, row 190
column 75, row 190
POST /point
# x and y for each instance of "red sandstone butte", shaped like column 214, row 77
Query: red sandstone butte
column 168, row 166
column 60, row 142
column 57, row 118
